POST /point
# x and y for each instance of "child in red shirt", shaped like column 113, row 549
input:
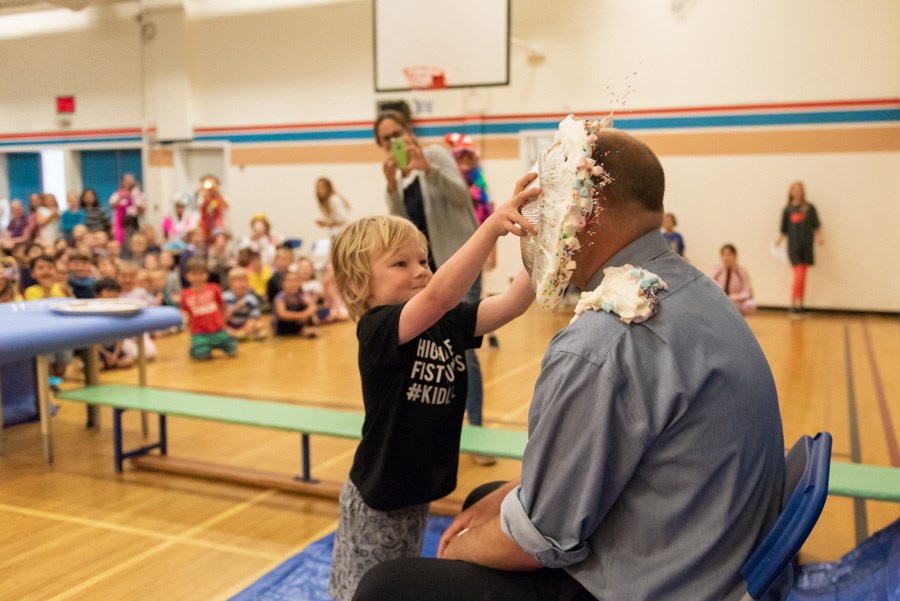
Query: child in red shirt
column 205, row 309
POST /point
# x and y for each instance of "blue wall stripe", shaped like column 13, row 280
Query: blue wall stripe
column 58, row 141
column 514, row 127
column 825, row 117
column 626, row 123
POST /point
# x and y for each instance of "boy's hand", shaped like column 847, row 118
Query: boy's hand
column 507, row 218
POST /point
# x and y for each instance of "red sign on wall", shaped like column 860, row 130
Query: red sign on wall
column 65, row 104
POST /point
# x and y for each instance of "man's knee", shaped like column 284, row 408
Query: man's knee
column 380, row 582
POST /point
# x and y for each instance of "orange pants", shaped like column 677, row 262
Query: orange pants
column 799, row 287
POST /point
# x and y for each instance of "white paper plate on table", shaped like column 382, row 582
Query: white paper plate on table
column 100, row 306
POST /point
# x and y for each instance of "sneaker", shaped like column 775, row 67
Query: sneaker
column 484, row 460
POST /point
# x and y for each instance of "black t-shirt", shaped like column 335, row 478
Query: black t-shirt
column 415, row 398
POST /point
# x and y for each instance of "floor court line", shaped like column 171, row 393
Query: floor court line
column 860, row 521
column 886, row 420
column 293, row 551
column 120, row 528
column 96, row 579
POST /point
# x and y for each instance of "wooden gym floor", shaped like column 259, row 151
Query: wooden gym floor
column 79, row 531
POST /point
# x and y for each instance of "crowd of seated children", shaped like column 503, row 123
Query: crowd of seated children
column 67, row 253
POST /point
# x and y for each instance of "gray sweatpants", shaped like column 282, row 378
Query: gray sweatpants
column 366, row 537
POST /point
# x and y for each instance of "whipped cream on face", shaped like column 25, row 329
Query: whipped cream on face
column 629, row 292
column 570, row 180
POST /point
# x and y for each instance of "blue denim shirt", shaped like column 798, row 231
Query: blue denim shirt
column 655, row 459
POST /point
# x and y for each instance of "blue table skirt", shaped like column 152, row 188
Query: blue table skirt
column 17, row 387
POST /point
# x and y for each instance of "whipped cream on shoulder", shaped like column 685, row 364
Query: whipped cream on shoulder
column 629, row 292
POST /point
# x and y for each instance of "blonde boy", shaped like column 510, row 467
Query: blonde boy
column 413, row 332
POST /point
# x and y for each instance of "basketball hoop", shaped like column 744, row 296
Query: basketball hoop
column 424, row 78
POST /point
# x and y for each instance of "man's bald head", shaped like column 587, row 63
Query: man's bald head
column 636, row 178
column 630, row 204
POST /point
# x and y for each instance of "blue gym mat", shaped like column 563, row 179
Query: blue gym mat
column 304, row 577
column 870, row 572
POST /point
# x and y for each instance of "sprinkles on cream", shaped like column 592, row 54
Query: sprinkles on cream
column 629, row 292
column 570, row 181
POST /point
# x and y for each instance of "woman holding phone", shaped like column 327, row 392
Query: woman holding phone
column 425, row 186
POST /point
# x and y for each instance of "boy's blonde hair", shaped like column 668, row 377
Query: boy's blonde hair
column 237, row 272
column 354, row 249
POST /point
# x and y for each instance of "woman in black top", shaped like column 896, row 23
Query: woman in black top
column 800, row 223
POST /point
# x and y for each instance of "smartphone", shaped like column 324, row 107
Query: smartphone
column 398, row 151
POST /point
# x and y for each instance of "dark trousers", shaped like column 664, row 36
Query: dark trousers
column 426, row 579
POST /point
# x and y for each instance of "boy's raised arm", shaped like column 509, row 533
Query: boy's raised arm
column 451, row 282
column 500, row 309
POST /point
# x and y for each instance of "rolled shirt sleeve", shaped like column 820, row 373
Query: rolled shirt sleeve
column 586, row 438
column 516, row 524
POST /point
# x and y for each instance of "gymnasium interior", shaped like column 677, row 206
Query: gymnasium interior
column 739, row 100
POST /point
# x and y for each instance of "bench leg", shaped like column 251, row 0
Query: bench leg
column 119, row 456
column 117, row 438
column 304, row 445
column 163, row 437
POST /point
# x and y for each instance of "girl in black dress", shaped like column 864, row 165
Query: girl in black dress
column 800, row 223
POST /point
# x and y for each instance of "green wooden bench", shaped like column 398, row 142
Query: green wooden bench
column 864, row 481
column 306, row 421
column 846, row 479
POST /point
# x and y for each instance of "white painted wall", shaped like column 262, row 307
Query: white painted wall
column 314, row 64
column 98, row 61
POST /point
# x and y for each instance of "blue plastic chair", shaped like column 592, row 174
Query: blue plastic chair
column 805, row 491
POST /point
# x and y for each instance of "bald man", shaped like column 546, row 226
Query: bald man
column 655, row 458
